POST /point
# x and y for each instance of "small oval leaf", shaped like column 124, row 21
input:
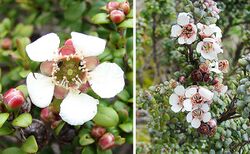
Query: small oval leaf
column 23, row 120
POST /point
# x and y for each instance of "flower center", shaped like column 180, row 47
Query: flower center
column 70, row 72
column 181, row 99
column 197, row 98
column 197, row 113
column 187, row 31
column 207, row 47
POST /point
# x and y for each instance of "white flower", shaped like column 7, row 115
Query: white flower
column 184, row 30
column 198, row 114
column 177, row 98
column 214, row 66
column 209, row 48
column 70, row 71
column 212, row 31
column 220, row 88
column 197, row 95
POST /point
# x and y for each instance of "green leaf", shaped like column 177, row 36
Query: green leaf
column 74, row 12
column 23, row 89
column 128, row 23
column 13, row 150
column 23, row 30
column 99, row 151
column 23, row 120
column 3, row 118
column 6, row 129
column 130, row 15
column 30, row 145
column 126, row 127
column 119, row 140
column 101, row 18
column 88, row 150
column 124, row 95
column 86, row 139
column 106, row 117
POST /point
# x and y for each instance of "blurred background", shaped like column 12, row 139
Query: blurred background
column 24, row 21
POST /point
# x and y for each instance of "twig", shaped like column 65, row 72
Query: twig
column 157, row 66
column 229, row 113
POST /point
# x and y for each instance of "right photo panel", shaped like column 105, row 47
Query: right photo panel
column 193, row 76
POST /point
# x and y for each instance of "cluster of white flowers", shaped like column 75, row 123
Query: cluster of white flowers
column 196, row 99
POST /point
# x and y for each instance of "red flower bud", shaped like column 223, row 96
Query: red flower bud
column 215, row 81
column 49, row 115
column 13, row 98
column 6, row 43
column 107, row 141
column 206, row 77
column 124, row 6
column 117, row 16
column 208, row 128
column 112, row 6
column 98, row 131
column 197, row 76
column 46, row 67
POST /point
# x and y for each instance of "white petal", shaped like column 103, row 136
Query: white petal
column 189, row 117
column 175, row 31
column 200, row 26
column 181, row 40
column 191, row 39
column 88, row 45
column 44, row 48
column 217, row 48
column 206, row 93
column 209, row 55
column 196, row 123
column 206, row 117
column 40, row 89
column 199, row 47
column 173, row 99
column 190, row 92
column 187, row 105
column 176, row 108
column 205, row 107
column 179, row 90
column 107, row 80
column 76, row 109
column 183, row 19
column 208, row 31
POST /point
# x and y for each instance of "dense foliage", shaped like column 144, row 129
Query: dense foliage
column 168, row 65
column 22, row 129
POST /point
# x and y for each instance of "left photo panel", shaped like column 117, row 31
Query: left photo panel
column 66, row 77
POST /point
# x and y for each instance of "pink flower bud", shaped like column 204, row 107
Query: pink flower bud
column 124, row 6
column 112, row 6
column 6, row 43
column 117, row 16
column 196, row 76
column 68, row 48
column 47, row 67
column 182, row 79
column 45, row 114
column 212, row 123
column 13, row 98
column 98, row 131
column 204, row 68
column 107, row 141
column 60, row 92
column 223, row 66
